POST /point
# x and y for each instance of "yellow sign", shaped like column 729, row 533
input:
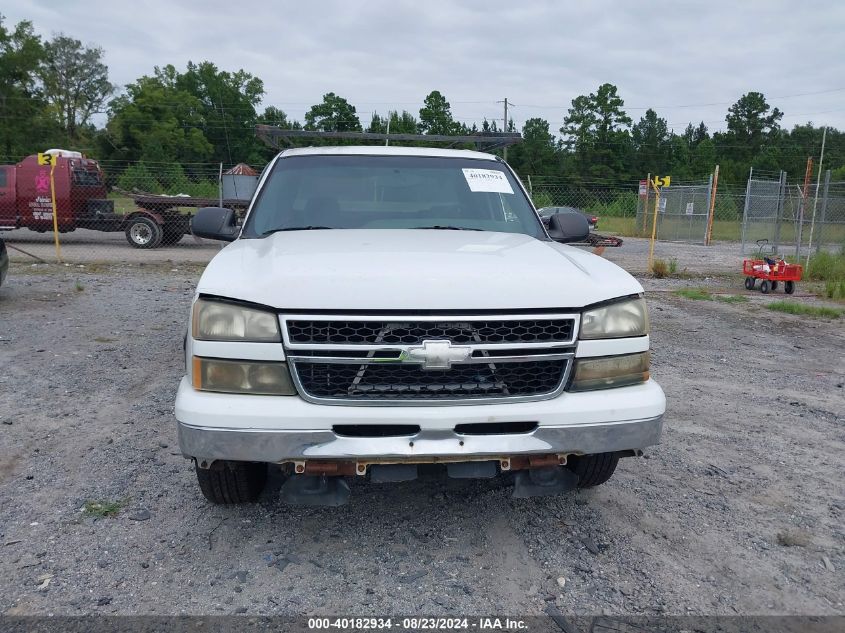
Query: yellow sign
column 46, row 159
column 662, row 181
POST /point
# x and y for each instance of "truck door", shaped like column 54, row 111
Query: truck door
column 8, row 210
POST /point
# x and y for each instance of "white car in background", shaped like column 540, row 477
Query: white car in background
column 380, row 308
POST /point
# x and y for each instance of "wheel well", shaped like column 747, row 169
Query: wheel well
column 155, row 217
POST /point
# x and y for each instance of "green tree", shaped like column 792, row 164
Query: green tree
column 403, row 123
column 595, row 128
column 25, row 126
column 334, row 114
column 228, row 111
column 651, row 142
column 436, row 115
column 76, row 82
column 750, row 123
column 537, row 155
column 703, row 158
column 156, row 121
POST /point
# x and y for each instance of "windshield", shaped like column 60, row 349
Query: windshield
column 391, row 192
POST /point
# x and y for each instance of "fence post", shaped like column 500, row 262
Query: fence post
column 530, row 188
column 779, row 211
column 823, row 218
column 714, row 185
column 645, row 204
column 653, row 227
column 745, row 208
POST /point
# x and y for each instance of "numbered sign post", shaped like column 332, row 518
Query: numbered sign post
column 657, row 183
column 50, row 159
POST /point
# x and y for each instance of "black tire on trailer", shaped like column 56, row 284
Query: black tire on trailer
column 232, row 482
column 789, row 287
column 143, row 232
column 764, row 287
column 593, row 470
column 749, row 283
column 774, row 285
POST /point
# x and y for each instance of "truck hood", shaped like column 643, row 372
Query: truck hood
column 385, row 269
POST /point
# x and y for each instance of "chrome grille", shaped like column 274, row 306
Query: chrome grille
column 430, row 359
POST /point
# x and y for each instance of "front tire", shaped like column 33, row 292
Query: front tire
column 593, row 470
column 764, row 287
column 749, row 283
column 143, row 232
column 232, row 482
column 789, row 287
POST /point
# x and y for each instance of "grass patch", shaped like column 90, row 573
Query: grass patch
column 102, row 509
column 79, row 287
column 696, row 294
column 673, row 266
column 659, row 268
column 826, row 266
column 732, row 298
column 800, row 309
column 834, row 289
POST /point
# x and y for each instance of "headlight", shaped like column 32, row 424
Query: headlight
column 610, row 371
column 616, row 320
column 219, row 321
column 237, row 376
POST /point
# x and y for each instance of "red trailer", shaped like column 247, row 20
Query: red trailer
column 82, row 202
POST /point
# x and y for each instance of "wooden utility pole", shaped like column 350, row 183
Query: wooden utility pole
column 712, row 211
column 505, row 127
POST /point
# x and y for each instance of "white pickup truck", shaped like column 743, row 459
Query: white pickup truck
column 380, row 308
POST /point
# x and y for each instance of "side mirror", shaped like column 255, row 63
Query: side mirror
column 568, row 227
column 215, row 223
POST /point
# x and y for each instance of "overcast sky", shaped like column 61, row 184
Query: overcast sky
column 687, row 60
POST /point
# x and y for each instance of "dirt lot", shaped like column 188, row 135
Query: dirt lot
column 741, row 509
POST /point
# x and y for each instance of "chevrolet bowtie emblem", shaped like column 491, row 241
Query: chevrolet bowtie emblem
column 437, row 354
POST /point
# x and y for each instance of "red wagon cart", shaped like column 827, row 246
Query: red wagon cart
column 772, row 271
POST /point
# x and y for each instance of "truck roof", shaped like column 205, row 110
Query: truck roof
column 380, row 150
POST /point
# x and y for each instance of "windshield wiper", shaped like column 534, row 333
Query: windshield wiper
column 440, row 227
column 295, row 228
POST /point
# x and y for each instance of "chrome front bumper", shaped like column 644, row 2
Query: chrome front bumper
column 209, row 444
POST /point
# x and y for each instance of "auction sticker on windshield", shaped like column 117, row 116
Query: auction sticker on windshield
column 487, row 180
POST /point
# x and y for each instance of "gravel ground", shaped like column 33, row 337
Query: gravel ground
column 739, row 510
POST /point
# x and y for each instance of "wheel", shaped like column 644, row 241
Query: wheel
column 774, row 285
column 764, row 287
column 789, row 287
column 593, row 470
column 749, row 283
column 143, row 232
column 232, row 482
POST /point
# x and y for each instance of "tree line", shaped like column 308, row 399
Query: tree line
column 50, row 92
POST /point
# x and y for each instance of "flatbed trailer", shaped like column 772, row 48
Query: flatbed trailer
column 74, row 186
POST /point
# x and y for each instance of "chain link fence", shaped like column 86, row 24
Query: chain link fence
column 614, row 206
column 792, row 219
column 108, row 212
column 117, row 212
column 682, row 212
